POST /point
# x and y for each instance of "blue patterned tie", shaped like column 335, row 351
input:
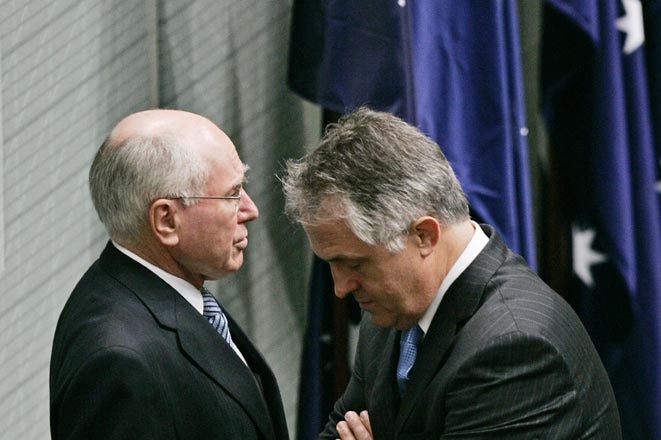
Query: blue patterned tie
column 215, row 315
column 408, row 349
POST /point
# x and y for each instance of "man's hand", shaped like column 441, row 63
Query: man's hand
column 355, row 427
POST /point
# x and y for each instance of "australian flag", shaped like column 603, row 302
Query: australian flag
column 450, row 67
column 601, row 67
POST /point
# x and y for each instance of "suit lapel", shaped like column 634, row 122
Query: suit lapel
column 198, row 339
column 385, row 398
column 214, row 356
column 460, row 302
column 274, row 418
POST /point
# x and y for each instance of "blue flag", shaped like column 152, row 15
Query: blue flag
column 600, row 95
column 347, row 53
column 467, row 95
column 451, row 68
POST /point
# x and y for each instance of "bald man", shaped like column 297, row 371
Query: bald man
column 141, row 349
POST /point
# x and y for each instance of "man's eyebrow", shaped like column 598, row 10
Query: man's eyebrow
column 246, row 168
column 343, row 258
column 243, row 177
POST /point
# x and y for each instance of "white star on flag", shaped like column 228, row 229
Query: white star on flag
column 631, row 23
column 583, row 255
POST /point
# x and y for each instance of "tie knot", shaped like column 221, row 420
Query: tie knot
column 412, row 335
column 210, row 304
column 214, row 314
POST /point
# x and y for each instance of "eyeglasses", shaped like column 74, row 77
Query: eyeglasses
column 236, row 197
column 206, row 197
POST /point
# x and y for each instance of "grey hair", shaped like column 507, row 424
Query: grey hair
column 126, row 177
column 379, row 174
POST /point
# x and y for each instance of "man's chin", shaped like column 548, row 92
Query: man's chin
column 227, row 269
column 380, row 320
column 236, row 262
column 389, row 321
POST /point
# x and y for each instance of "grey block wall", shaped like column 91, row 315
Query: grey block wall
column 69, row 70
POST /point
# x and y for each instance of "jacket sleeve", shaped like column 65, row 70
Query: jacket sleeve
column 517, row 386
column 353, row 398
column 113, row 395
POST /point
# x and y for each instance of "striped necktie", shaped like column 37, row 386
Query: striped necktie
column 215, row 315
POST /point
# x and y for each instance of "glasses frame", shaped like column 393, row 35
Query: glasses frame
column 239, row 188
column 206, row 197
column 236, row 197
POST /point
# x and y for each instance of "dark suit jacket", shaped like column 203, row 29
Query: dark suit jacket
column 132, row 359
column 504, row 357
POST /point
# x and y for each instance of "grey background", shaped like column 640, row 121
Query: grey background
column 70, row 70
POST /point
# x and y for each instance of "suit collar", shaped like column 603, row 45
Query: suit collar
column 461, row 301
column 152, row 291
column 198, row 339
column 184, row 288
column 472, row 250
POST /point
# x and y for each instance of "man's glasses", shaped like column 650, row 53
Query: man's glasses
column 206, row 197
column 236, row 196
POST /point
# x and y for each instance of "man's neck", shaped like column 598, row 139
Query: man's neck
column 158, row 255
column 455, row 239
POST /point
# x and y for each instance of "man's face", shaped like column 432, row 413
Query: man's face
column 388, row 286
column 213, row 232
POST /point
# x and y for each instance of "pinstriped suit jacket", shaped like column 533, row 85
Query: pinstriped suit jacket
column 504, row 357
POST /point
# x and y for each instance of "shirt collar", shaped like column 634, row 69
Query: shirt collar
column 183, row 287
column 475, row 246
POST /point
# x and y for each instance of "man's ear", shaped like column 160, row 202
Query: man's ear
column 427, row 231
column 163, row 221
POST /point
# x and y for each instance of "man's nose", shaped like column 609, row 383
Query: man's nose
column 344, row 283
column 247, row 209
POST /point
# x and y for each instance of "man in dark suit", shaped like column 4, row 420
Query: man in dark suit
column 460, row 339
column 141, row 350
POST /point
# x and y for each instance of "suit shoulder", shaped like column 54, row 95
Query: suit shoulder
column 515, row 296
column 99, row 313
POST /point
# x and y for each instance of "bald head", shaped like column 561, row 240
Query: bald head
column 162, row 122
column 149, row 155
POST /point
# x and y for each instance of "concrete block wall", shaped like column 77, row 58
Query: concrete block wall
column 69, row 70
